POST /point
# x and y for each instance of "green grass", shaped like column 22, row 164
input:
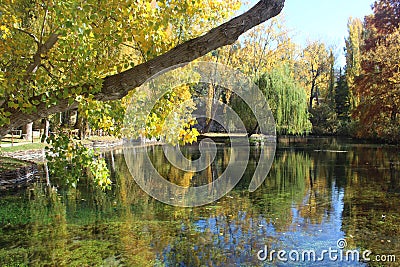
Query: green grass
column 22, row 147
column 33, row 146
column 8, row 140
column 9, row 164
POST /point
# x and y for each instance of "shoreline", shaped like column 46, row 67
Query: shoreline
column 39, row 155
column 16, row 173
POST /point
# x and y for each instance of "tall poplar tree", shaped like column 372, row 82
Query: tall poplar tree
column 353, row 43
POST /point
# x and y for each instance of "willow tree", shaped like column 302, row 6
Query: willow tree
column 287, row 100
column 53, row 52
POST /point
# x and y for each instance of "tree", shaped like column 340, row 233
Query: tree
column 260, row 50
column 314, row 69
column 384, row 21
column 331, row 86
column 162, row 123
column 342, row 103
column 27, row 131
column 353, row 57
column 106, row 116
column 324, row 120
column 54, row 52
column 286, row 99
column 265, row 47
column 378, row 84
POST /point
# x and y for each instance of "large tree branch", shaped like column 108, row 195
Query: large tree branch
column 42, row 50
column 118, row 85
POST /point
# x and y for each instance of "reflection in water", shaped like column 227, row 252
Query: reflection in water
column 314, row 194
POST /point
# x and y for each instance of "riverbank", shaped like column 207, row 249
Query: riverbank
column 36, row 151
column 15, row 172
column 18, row 163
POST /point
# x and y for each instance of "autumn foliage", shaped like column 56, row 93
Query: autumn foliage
column 378, row 84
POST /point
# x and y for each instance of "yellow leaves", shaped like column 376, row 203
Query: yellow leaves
column 182, row 132
column 26, row 105
column 163, row 24
column 170, row 119
column 189, row 136
column 8, row 19
column 158, row 130
column 182, row 93
column 168, row 31
column 104, row 183
column 5, row 31
column 97, row 39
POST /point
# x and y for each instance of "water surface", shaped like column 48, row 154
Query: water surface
column 317, row 192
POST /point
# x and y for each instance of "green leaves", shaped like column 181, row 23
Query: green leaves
column 94, row 39
column 287, row 100
column 70, row 160
column 4, row 117
column 107, row 116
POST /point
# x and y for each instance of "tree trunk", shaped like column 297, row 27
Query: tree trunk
column 255, row 130
column 209, row 108
column 83, row 126
column 118, row 85
column 46, row 130
column 311, row 97
column 27, row 131
column 393, row 116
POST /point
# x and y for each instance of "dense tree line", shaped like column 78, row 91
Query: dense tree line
column 361, row 100
column 63, row 56
column 372, row 73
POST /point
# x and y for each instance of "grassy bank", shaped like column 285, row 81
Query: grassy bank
column 20, row 146
column 24, row 147
column 10, row 164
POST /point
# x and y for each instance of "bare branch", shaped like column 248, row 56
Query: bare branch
column 44, row 22
column 30, row 35
column 51, row 75
column 43, row 49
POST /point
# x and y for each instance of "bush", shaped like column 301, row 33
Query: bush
column 324, row 120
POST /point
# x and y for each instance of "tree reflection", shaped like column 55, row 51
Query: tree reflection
column 312, row 196
column 371, row 216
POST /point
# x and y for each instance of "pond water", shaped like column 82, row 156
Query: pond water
column 318, row 192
